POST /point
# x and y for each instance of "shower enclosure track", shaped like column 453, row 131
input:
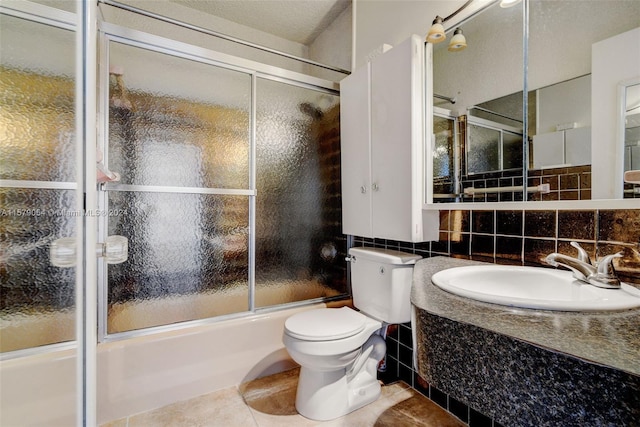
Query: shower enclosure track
column 227, row 37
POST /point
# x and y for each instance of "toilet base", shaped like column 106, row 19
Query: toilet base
column 326, row 395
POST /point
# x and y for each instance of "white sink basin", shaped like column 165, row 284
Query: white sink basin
column 533, row 287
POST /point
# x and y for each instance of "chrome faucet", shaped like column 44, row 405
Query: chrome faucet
column 602, row 275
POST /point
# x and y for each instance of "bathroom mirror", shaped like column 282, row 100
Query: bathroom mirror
column 630, row 135
column 486, row 81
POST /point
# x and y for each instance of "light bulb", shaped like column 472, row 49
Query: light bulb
column 458, row 41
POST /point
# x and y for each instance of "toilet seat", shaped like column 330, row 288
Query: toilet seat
column 325, row 324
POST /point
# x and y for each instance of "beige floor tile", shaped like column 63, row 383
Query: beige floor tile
column 224, row 408
column 414, row 410
column 367, row 416
column 273, row 395
column 116, row 423
column 272, row 402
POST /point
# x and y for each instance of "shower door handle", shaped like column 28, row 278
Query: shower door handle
column 114, row 250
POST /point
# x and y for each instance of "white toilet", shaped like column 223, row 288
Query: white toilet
column 338, row 349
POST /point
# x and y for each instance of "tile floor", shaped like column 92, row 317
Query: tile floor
column 269, row 402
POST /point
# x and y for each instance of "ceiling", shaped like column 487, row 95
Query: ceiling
column 300, row 21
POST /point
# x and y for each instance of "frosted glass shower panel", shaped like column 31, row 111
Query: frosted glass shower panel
column 177, row 122
column 36, row 298
column 483, row 149
column 36, row 101
column 511, row 150
column 188, row 258
column 299, row 244
column 443, row 153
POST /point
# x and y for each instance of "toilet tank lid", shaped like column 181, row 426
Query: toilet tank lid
column 387, row 256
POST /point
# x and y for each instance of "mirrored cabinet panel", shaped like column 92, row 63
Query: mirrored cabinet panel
column 631, row 132
column 528, row 111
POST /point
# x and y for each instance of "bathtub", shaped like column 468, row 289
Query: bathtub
column 143, row 373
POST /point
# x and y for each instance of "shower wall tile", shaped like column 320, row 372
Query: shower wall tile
column 460, row 221
column 459, row 409
column 570, row 181
column 619, row 226
column 553, row 181
column 405, row 355
column 421, row 385
column 577, row 225
column 405, row 373
column 406, row 338
column 476, row 419
column 460, row 244
column 509, row 250
column 444, row 220
column 561, row 181
column 406, row 247
column 627, row 267
column 509, row 223
column 393, row 244
column 585, row 181
column 483, row 222
column 482, row 247
column 438, row 396
column 442, row 245
column 540, row 223
column 423, row 249
column 631, row 191
column 536, row 250
column 569, row 195
column 564, row 247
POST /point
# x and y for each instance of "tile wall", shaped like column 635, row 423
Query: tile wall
column 566, row 183
column 631, row 191
column 514, row 237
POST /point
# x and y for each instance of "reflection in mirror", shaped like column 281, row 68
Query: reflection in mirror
column 487, row 142
column 571, row 72
column 564, row 130
column 445, row 159
column 632, row 141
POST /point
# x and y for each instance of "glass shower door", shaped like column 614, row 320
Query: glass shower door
column 38, row 206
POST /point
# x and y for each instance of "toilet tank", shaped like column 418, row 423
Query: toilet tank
column 381, row 283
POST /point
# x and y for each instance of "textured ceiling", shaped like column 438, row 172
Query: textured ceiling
column 300, row 21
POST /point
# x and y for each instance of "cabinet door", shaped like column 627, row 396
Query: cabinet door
column 355, row 119
column 395, row 132
column 548, row 150
column 578, row 146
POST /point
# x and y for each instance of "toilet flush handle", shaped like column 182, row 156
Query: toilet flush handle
column 350, row 258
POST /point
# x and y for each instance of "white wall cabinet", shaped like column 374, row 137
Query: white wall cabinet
column 382, row 143
column 565, row 147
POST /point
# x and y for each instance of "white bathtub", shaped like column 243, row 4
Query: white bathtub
column 140, row 374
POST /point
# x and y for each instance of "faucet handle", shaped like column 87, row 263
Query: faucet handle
column 605, row 265
column 605, row 276
column 582, row 254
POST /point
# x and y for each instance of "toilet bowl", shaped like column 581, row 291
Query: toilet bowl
column 332, row 347
column 338, row 349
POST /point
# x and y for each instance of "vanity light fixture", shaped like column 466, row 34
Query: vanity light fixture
column 436, row 32
column 508, row 3
column 458, row 41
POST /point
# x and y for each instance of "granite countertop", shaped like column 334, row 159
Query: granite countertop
column 607, row 338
